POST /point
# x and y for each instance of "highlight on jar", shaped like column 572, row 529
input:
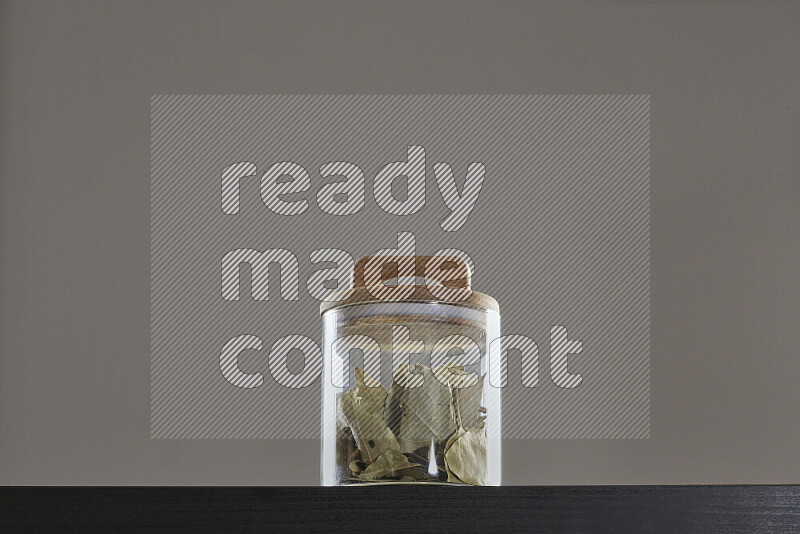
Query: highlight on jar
column 406, row 397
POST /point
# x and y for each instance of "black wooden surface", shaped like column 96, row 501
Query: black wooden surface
column 403, row 508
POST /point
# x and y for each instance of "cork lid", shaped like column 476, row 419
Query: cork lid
column 386, row 279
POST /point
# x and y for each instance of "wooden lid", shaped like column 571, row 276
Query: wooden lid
column 451, row 277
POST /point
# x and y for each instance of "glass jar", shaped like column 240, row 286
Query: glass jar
column 406, row 396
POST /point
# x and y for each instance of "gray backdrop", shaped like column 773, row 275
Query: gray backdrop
column 77, row 78
column 559, row 235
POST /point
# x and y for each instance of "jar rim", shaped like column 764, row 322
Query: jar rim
column 361, row 295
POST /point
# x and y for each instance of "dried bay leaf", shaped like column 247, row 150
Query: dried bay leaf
column 452, row 438
column 420, row 474
column 371, row 434
column 362, row 408
column 357, row 467
column 427, row 412
column 372, row 389
column 467, row 403
column 393, row 405
column 391, row 432
column 454, row 479
column 432, row 460
column 345, row 446
column 465, row 459
column 450, row 476
column 387, row 465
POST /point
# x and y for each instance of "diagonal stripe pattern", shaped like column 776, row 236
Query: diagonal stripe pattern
column 560, row 235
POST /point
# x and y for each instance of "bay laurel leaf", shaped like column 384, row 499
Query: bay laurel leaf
column 393, row 405
column 357, row 467
column 346, row 447
column 390, row 463
column 465, row 459
column 371, row 434
column 467, row 403
column 449, row 442
column 371, row 389
column 454, row 479
column 450, row 476
column 427, row 412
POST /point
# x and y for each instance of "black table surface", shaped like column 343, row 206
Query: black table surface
column 402, row 508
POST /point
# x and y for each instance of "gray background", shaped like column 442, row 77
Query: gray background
column 76, row 84
column 559, row 236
